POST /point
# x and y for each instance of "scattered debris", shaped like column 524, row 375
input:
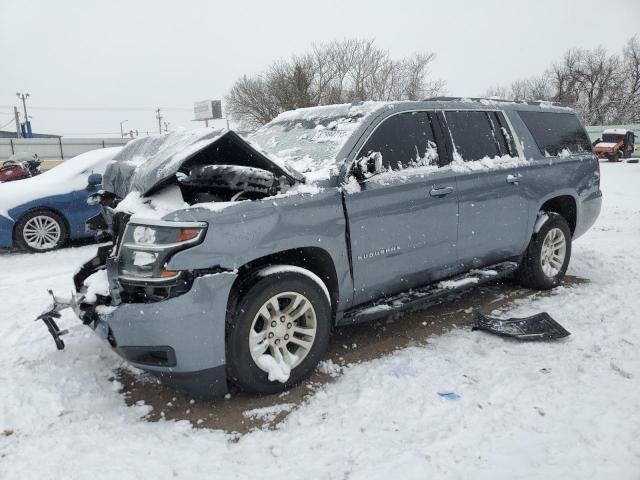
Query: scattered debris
column 449, row 395
column 269, row 414
column 536, row 327
column 620, row 371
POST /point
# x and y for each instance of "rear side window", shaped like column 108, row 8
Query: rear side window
column 555, row 132
column 473, row 135
column 405, row 140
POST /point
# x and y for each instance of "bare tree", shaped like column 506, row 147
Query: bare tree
column 602, row 88
column 336, row 72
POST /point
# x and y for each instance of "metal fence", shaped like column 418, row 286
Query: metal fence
column 55, row 149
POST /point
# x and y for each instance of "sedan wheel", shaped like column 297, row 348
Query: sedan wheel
column 41, row 230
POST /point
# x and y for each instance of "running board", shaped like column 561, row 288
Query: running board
column 429, row 294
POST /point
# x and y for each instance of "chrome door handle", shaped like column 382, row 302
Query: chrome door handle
column 441, row 191
column 515, row 179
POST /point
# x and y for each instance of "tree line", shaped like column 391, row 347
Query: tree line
column 334, row 72
column 603, row 87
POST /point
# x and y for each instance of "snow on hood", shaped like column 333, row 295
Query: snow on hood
column 310, row 139
column 606, row 145
column 146, row 164
column 71, row 175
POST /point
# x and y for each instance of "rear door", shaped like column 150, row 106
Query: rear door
column 494, row 206
column 403, row 222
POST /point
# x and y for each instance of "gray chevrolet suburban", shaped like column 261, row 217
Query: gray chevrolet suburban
column 230, row 259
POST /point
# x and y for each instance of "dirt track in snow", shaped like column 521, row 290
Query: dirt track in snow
column 349, row 345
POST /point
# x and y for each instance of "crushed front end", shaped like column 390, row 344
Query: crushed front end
column 167, row 322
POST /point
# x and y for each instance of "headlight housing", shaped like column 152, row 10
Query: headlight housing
column 146, row 248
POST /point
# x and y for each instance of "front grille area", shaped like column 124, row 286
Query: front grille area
column 141, row 292
column 160, row 356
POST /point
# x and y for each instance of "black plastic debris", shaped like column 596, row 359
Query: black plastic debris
column 537, row 327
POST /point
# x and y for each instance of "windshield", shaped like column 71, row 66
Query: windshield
column 309, row 139
column 611, row 138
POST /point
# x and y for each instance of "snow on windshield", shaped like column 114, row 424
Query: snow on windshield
column 309, row 139
column 71, row 175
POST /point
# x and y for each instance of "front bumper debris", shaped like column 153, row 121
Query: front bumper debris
column 50, row 314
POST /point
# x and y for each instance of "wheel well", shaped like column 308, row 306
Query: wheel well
column 313, row 259
column 41, row 209
column 564, row 205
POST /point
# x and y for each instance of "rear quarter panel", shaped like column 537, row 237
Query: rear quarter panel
column 547, row 177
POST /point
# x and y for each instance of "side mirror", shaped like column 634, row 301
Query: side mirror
column 94, row 179
column 366, row 167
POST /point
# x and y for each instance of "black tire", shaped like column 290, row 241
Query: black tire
column 531, row 273
column 23, row 242
column 242, row 370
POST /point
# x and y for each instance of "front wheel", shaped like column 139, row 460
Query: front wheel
column 546, row 260
column 278, row 331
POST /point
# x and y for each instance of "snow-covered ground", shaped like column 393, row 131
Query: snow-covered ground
column 569, row 409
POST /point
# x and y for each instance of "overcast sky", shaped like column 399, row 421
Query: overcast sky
column 128, row 57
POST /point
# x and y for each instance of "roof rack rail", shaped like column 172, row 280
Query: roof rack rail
column 477, row 99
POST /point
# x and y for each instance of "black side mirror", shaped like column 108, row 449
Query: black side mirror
column 94, row 179
column 366, row 167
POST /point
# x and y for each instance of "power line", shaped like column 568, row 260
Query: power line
column 6, row 124
column 105, row 109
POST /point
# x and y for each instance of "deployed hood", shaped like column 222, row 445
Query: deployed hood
column 147, row 164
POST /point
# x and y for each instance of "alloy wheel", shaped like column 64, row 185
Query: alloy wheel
column 42, row 232
column 554, row 250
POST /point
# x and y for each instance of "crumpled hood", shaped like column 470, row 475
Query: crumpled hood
column 147, row 164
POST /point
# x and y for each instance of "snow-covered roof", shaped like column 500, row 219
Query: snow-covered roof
column 615, row 131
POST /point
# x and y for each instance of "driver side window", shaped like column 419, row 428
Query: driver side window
column 405, row 140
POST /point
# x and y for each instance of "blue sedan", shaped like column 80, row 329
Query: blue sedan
column 43, row 212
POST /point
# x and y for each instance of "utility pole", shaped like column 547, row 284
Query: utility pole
column 27, row 123
column 159, row 117
column 17, row 115
column 121, row 131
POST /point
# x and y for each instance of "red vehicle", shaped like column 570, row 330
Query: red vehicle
column 20, row 166
column 616, row 144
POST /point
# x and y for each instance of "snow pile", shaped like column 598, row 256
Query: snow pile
column 277, row 367
column 155, row 206
column 69, row 176
column 451, row 284
column 487, row 163
column 97, row 284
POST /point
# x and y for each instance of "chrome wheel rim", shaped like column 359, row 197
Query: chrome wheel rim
column 42, row 232
column 554, row 250
column 284, row 328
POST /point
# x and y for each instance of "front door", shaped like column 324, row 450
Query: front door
column 403, row 222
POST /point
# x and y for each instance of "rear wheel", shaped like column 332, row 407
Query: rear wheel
column 547, row 257
column 41, row 231
column 278, row 332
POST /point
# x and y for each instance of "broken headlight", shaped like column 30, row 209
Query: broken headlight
column 146, row 248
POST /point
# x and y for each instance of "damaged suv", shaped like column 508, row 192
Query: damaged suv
column 231, row 260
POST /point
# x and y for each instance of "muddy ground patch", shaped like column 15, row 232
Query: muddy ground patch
column 240, row 412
